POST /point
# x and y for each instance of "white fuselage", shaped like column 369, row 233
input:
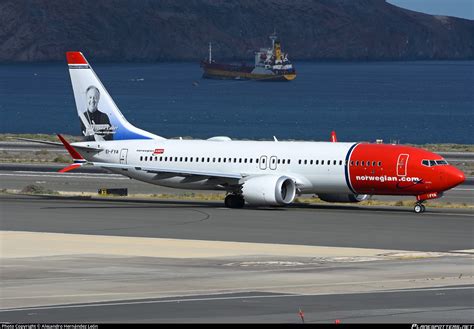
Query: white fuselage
column 293, row 159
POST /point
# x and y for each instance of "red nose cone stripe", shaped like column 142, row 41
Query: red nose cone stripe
column 75, row 57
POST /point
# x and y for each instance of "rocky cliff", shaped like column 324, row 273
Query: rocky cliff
column 168, row 30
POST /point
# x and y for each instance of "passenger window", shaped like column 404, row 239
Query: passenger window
column 305, row 161
column 380, row 163
column 310, row 162
column 299, row 161
column 322, row 162
column 357, row 162
column 235, row 160
column 278, row 161
column 317, row 162
column 223, row 160
column 141, row 158
column 180, row 159
column 256, row 160
column 213, row 159
column 334, row 162
column 289, row 161
column 219, row 160
column 250, row 160
column 340, row 162
column 161, row 159
column 208, row 159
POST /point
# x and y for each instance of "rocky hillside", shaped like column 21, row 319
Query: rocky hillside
column 164, row 30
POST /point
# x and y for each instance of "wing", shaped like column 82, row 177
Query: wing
column 170, row 171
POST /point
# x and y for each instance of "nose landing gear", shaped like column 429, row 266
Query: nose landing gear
column 419, row 208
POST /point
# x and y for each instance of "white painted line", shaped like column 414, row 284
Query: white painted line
column 66, row 173
column 466, row 251
column 64, row 176
column 184, row 300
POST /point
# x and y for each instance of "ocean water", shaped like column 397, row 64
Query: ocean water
column 407, row 102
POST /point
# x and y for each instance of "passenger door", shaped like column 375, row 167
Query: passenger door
column 123, row 156
column 402, row 164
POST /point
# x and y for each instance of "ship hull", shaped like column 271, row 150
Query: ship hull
column 235, row 72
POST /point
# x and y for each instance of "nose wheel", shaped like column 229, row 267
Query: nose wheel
column 419, row 208
column 234, row 201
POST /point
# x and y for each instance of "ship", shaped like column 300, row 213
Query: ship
column 271, row 64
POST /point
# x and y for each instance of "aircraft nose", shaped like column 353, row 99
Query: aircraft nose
column 454, row 177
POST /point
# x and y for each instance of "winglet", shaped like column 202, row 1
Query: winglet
column 74, row 154
column 333, row 136
column 75, row 58
column 71, row 167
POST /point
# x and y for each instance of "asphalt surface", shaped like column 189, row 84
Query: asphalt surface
column 321, row 225
column 98, row 288
column 439, row 305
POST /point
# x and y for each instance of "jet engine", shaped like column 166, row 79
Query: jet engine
column 347, row 198
column 269, row 190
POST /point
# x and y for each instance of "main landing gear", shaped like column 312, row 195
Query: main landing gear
column 234, row 201
column 419, row 208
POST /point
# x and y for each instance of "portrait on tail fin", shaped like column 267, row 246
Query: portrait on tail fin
column 95, row 125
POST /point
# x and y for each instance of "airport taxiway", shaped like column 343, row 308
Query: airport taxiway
column 69, row 259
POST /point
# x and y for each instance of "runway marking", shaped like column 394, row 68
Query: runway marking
column 218, row 291
column 63, row 176
column 204, row 299
column 66, row 173
column 466, row 251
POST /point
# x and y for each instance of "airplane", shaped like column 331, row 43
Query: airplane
column 257, row 173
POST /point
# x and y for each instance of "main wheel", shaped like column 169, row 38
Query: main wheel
column 423, row 208
column 234, row 201
column 418, row 208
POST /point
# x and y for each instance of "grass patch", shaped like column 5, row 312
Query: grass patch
column 37, row 189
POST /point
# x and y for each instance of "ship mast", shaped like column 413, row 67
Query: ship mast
column 273, row 37
column 210, row 52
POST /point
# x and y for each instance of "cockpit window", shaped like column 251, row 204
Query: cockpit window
column 431, row 163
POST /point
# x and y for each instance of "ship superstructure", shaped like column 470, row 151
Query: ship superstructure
column 271, row 64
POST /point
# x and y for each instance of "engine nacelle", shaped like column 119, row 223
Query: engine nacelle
column 347, row 198
column 269, row 190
